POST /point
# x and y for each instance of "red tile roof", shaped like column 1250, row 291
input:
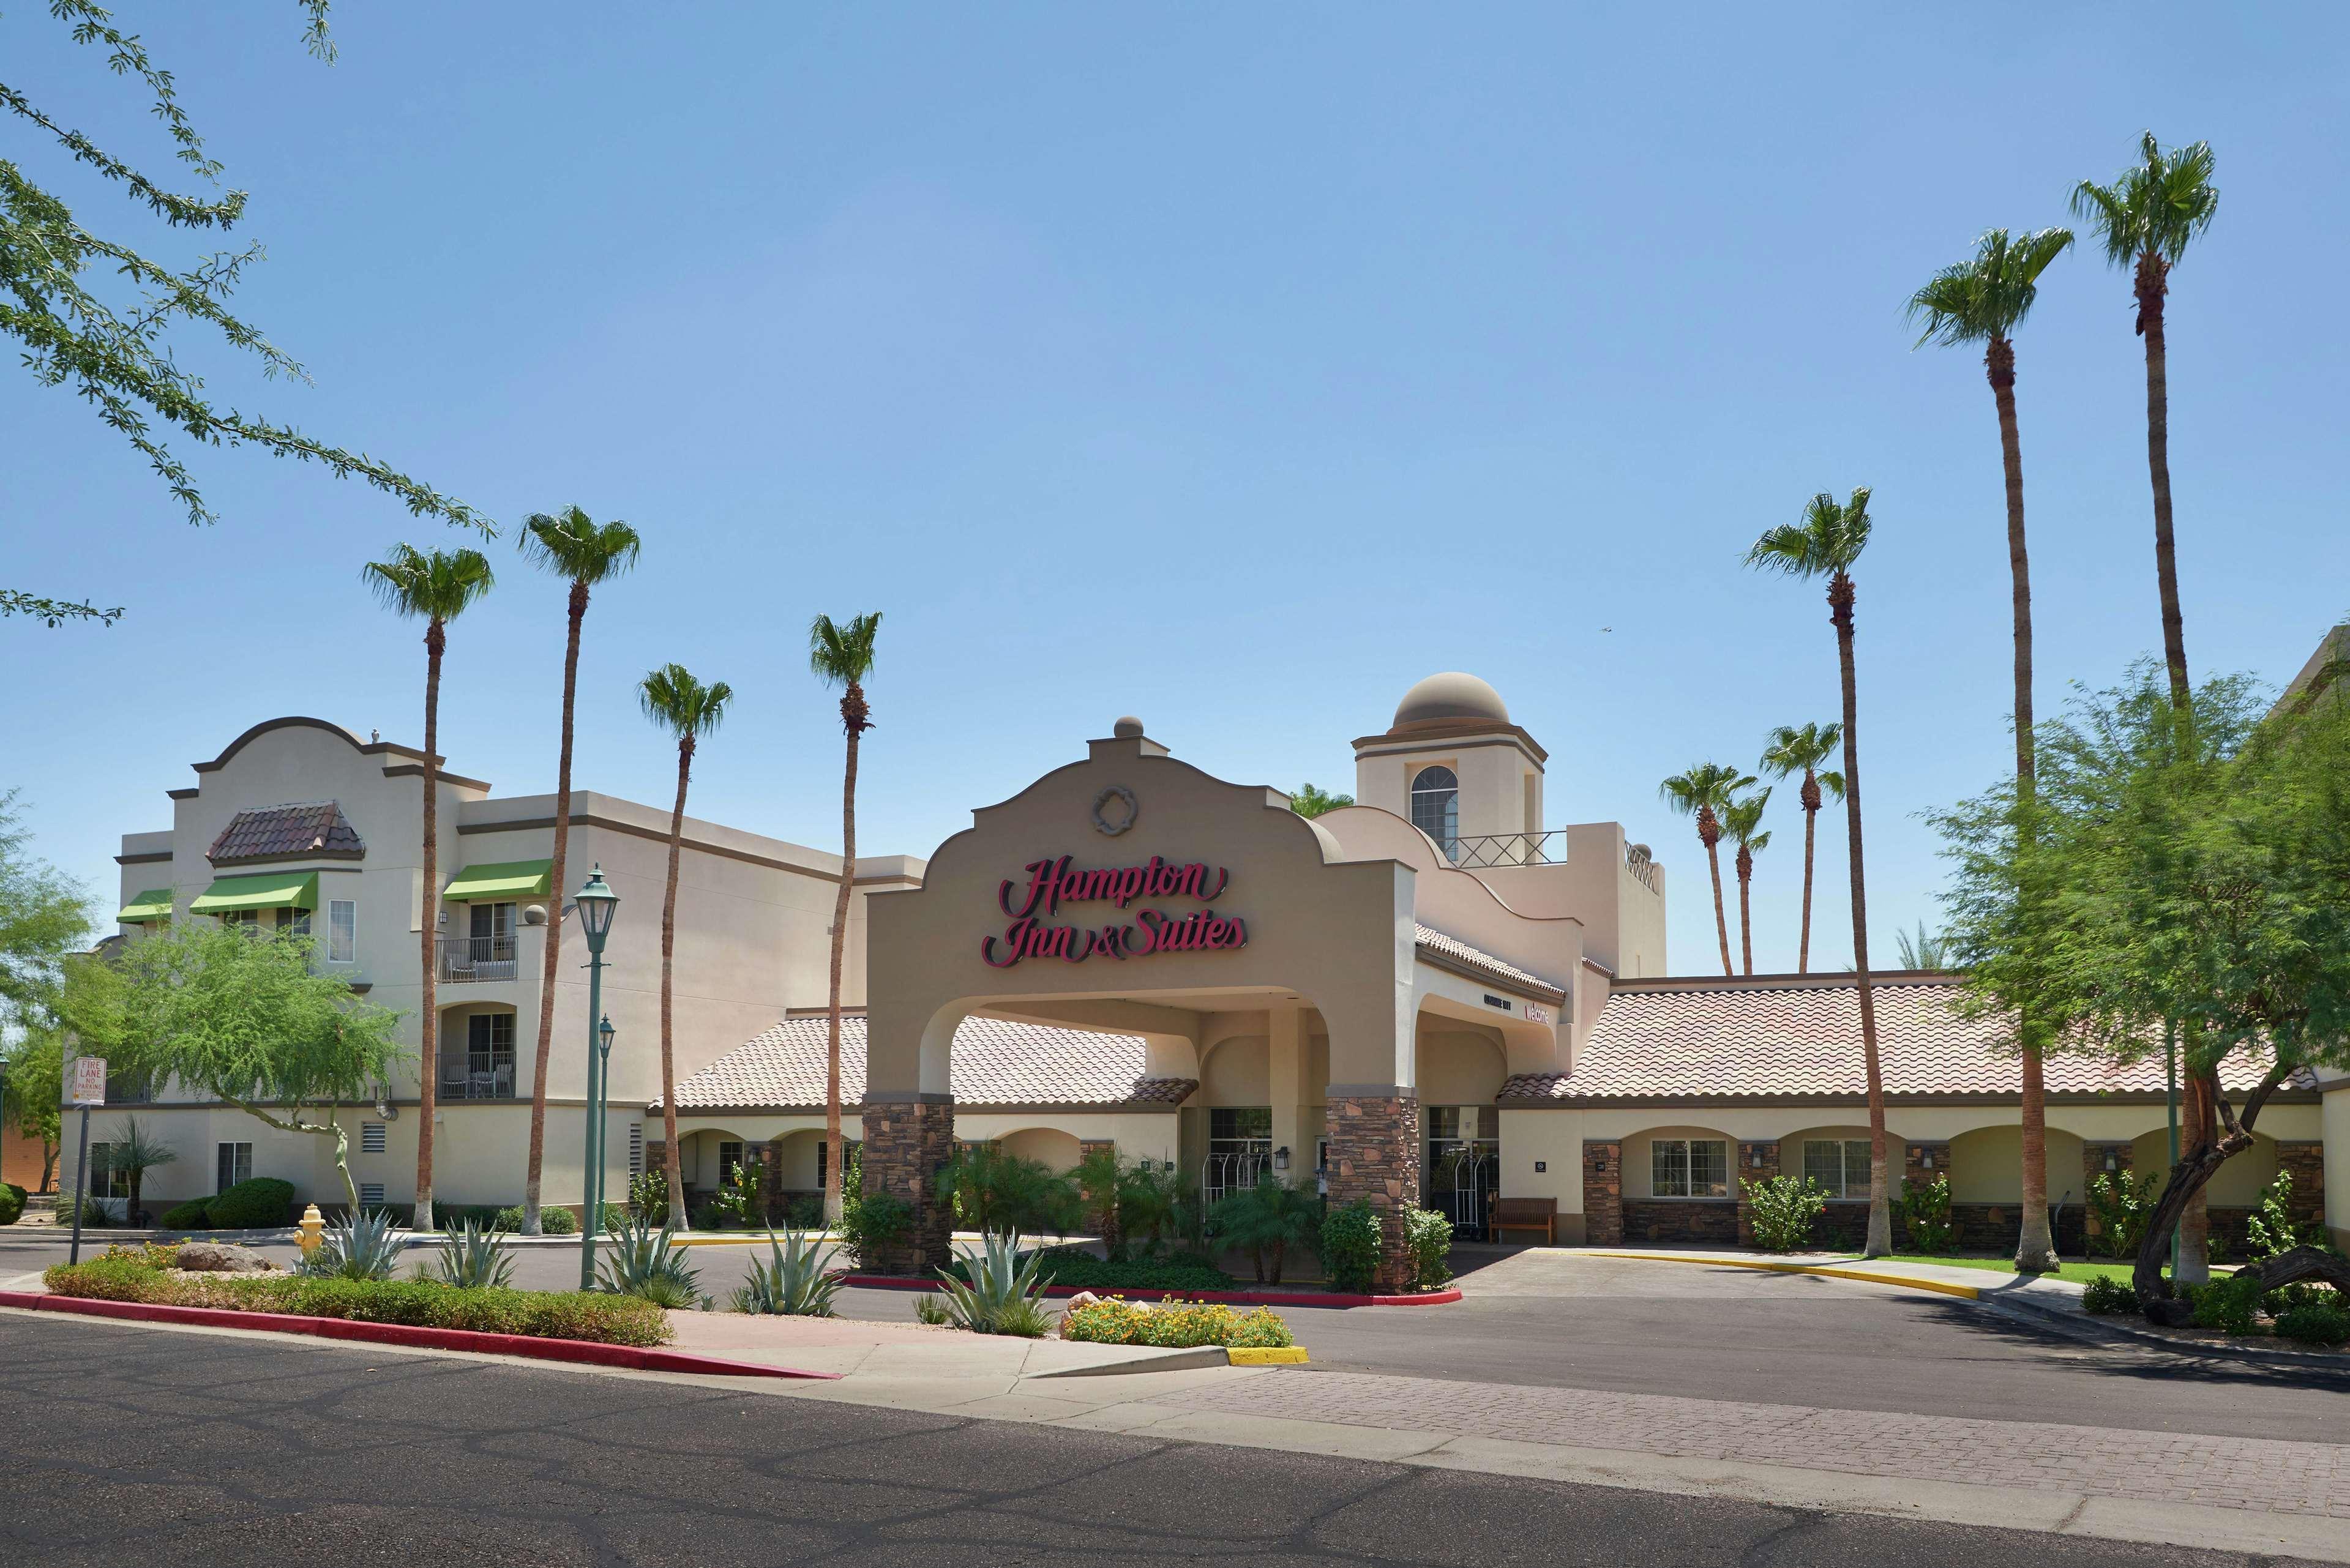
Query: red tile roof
column 317, row 829
column 994, row 1062
column 1799, row 1037
column 1431, row 940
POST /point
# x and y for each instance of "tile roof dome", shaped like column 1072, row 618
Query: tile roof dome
column 1451, row 695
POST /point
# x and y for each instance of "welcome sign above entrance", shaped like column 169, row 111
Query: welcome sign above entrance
column 1052, row 883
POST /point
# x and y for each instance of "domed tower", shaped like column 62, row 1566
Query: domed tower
column 1455, row 766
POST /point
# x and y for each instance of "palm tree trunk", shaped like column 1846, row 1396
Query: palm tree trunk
column 1810, row 833
column 556, row 883
column 1880, row 1189
column 428, row 1020
column 1713, row 862
column 835, row 1189
column 1745, row 913
column 669, row 949
column 2035, row 1248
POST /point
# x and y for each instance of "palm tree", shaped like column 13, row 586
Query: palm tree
column 1926, row 951
column 1787, row 753
column 1826, row 543
column 1704, row 792
column 842, row 656
column 575, row 546
column 671, row 698
column 434, row 587
column 1982, row 300
column 1741, row 823
column 689, row 711
column 2146, row 218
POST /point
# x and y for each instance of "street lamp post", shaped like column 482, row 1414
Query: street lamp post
column 604, row 1032
column 595, row 902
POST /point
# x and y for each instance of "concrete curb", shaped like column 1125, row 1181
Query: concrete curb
column 2331, row 1362
column 1225, row 1298
column 627, row 1358
column 1828, row 1271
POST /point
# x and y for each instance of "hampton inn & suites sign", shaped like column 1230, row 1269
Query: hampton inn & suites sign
column 1053, row 881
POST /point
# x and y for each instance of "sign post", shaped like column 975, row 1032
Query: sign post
column 87, row 1089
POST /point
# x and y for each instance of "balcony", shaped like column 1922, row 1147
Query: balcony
column 466, row 960
column 477, row 1076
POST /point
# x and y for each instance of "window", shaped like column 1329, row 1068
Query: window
column 1841, row 1167
column 730, row 1160
column 492, row 930
column 1689, row 1167
column 371, row 1138
column 342, row 931
column 234, row 1165
column 249, row 918
column 105, row 1181
column 479, row 1065
column 1436, row 808
column 294, row 922
column 1240, row 1129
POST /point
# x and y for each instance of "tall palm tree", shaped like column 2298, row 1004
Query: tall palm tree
column 1704, row 792
column 584, row 552
column 2146, row 218
column 1826, row 543
column 671, row 698
column 434, row 587
column 1741, row 824
column 1982, row 300
column 1789, row 752
column 842, row 656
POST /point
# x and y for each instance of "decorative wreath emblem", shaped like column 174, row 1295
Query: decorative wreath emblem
column 1114, row 824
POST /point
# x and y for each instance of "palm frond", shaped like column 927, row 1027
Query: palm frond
column 1789, row 750
column 573, row 545
column 1828, row 540
column 843, row 655
column 671, row 697
column 2159, row 203
column 1742, row 820
column 1986, row 296
column 429, row 585
column 1706, row 786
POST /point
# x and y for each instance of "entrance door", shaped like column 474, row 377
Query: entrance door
column 1240, row 1149
column 1462, row 1167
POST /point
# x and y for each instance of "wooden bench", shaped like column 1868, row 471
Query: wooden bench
column 1526, row 1214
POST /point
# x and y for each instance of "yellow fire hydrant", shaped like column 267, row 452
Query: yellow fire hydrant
column 314, row 1225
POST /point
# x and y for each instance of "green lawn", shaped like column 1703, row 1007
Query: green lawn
column 2079, row 1274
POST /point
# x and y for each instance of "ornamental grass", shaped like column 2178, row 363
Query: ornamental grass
column 420, row 1304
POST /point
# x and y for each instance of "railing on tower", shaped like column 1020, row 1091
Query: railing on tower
column 1546, row 848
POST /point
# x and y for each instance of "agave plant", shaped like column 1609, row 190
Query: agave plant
column 1004, row 1295
column 365, row 1247
column 472, row 1259
column 648, row 1264
column 799, row 1283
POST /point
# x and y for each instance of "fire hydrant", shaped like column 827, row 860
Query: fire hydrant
column 314, row 1225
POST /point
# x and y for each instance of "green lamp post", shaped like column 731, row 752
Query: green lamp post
column 595, row 902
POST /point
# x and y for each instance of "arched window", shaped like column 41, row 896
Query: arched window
column 1436, row 808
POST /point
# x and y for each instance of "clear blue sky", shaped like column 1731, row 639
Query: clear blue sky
column 1233, row 365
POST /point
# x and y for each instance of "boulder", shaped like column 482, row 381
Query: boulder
column 216, row 1258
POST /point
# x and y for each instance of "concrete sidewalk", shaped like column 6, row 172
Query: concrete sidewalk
column 855, row 1347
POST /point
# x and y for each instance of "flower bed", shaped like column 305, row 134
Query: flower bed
column 1174, row 1324
column 419, row 1304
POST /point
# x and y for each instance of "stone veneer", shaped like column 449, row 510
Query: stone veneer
column 1375, row 1154
column 906, row 1143
column 1757, row 1161
column 2305, row 1163
column 1603, row 1193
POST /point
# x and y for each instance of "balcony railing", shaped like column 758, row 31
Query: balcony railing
column 474, row 1076
column 1643, row 869
column 464, row 960
column 1507, row 849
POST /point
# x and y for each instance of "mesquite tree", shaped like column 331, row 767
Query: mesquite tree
column 2179, row 864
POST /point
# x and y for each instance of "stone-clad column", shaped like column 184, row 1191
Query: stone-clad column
column 2305, row 1163
column 1603, row 1193
column 1375, row 1155
column 1757, row 1161
column 906, row 1139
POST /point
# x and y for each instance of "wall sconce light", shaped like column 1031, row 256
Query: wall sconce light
column 1754, row 1158
column 2113, row 1160
column 1925, row 1159
column 1281, row 1157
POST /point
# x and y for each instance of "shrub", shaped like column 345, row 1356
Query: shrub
column 997, row 1289
column 2232, row 1304
column 799, row 1283
column 428, row 1303
column 648, row 1264
column 1265, row 1221
column 804, row 1212
column 1925, row 1213
column 2121, row 1202
column 552, row 1220
column 472, row 1259
column 1350, row 1246
column 190, row 1216
column 1781, row 1210
column 1187, row 1271
column 2105, row 1295
column 931, row 1311
column 261, row 1204
column 12, row 1203
column 739, row 1204
column 1175, row 1325
column 995, row 1191
column 649, row 1196
column 364, row 1247
column 2315, row 1324
column 872, row 1222
column 2270, row 1231
column 1428, row 1243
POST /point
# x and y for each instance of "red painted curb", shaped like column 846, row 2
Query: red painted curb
column 1228, row 1298
column 573, row 1350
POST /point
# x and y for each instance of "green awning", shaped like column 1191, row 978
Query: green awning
column 284, row 890
column 155, row 904
column 503, row 880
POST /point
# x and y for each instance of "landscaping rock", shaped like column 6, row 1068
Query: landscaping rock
column 214, row 1258
column 1083, row 1298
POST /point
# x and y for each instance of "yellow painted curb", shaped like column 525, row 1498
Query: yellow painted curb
column 758, row 1241
column 1827, row 1270
column 1286, row 1356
